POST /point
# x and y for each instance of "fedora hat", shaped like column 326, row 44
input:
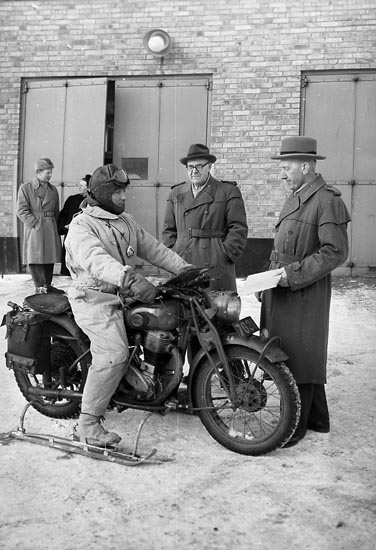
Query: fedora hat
column 297, row 147
column 198, row 151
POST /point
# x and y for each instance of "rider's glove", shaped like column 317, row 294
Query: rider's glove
column 136, row 287
column 143, row 290
column 128, row 279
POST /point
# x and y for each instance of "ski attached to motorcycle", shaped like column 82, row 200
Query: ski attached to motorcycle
column 115, row 455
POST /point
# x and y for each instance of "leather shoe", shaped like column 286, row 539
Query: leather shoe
column 321, row 428
column 53, row 289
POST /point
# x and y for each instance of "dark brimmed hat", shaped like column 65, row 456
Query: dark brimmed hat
column 198, row 151
column 298, row 147
column 43, row 164
column 86, row 178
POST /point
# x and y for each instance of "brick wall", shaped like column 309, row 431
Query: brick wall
column 256, row 51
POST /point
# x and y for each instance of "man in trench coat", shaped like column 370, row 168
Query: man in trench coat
column 310, row 242
column 205, row 220
column 38, row 209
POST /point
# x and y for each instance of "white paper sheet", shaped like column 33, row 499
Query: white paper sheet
column 259, row 281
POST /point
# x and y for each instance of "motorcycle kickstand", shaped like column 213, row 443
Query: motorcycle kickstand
column 110, row 454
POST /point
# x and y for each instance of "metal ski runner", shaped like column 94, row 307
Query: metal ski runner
column 70, row 446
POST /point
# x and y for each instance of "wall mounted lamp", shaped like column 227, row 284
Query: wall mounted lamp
column 157, row 42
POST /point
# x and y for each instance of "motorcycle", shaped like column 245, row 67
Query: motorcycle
column 237, row 383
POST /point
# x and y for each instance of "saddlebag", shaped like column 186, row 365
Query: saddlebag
column 28, row 341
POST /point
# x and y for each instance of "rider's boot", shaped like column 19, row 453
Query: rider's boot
column 92, row 432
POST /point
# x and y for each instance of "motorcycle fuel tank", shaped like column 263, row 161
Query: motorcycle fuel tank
column 164, row 315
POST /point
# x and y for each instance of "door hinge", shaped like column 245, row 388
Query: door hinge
column 305, row 82
column 25, row 88
column 209, row 85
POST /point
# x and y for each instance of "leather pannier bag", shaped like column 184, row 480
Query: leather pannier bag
column 28, row 343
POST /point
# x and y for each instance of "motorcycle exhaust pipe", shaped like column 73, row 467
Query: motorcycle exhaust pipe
column 56, row 394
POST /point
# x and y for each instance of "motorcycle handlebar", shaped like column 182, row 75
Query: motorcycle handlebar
column 13, row 305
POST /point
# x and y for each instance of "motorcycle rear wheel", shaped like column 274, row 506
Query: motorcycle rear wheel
column 268, row 411
column 63, row 354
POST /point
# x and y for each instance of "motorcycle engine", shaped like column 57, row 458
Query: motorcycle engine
column 157, row 344
column 155, row 367
column 165, row 316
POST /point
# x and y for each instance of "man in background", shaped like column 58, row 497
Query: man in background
column 70, row 208
column 38, row 209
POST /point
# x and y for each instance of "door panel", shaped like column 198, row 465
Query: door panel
column 184, row 120
column 364, row 190
column 155, row 122
column 339, row 110
column 141, row 203
column 324, row 120
column 363, row 221
column 65, row 121
column 365, row 131
column 136, row 146
column 136, row 130
column 43, row 131
column 84, row 130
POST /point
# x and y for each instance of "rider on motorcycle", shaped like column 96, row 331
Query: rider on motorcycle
column 102, row 245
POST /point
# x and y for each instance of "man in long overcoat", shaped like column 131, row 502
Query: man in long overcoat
column 205, row 220
column 38, row 209
column 310, row 242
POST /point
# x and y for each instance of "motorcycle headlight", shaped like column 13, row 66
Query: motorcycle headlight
column 227, row 304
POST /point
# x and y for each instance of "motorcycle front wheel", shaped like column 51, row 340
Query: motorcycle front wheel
column 266, row 410
column 63, row 355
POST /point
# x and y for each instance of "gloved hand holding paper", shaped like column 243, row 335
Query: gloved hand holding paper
column 260, row 281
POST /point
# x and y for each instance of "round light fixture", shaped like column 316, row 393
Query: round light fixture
column 157, row 42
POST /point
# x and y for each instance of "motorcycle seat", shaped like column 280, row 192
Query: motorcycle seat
column 53, row 304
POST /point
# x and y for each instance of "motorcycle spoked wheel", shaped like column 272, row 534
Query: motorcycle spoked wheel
column 269, row 407
column 63, row 354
